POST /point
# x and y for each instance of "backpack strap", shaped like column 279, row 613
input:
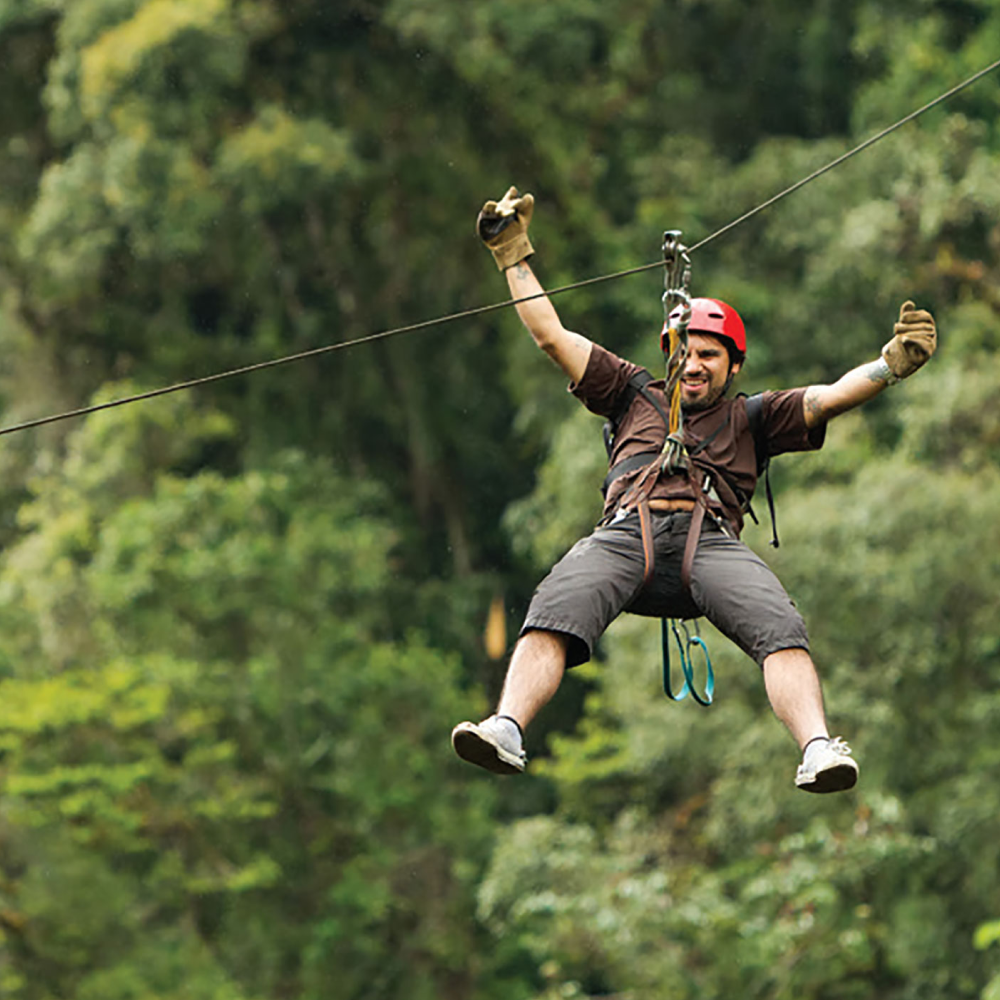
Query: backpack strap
column 636, row 384
column 755, row 417
column 638, row 461
column 706, row 441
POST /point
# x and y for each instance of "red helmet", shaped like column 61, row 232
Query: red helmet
column 715, row 317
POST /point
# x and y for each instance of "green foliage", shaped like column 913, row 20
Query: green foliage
column 631, row 912
column 231, row 723
column 565, row 503
column 237, row 626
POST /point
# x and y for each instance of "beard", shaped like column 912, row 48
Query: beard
column 697, row 405
column 710, row 399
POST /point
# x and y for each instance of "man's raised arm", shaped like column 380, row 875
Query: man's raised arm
column 503, row 227
column 914, row 340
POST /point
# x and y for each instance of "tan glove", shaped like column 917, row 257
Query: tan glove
column 503, row 227
column 914, row 341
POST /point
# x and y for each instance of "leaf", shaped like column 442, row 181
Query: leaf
column 986, row 934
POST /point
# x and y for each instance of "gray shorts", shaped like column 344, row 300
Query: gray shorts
column 601, row 576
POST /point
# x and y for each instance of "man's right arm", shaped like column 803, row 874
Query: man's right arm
column 569, row 350
column 503, row 227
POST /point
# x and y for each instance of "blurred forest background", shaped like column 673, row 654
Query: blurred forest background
column 237, row 624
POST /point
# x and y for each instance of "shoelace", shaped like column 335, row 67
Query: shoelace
column 839, row 746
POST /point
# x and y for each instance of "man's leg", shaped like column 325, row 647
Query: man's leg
column 794, row 692
column 535, row 672
column 536, row 669
column 573, row 605
column 736, row 590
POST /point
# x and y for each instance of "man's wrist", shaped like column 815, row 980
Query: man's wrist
column 513, row 252
column 879, row 371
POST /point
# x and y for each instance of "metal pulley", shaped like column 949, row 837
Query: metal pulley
column 674, row 339
column 676, row 278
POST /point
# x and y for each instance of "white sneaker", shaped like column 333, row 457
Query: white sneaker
column 494, row 743
column 827, row 766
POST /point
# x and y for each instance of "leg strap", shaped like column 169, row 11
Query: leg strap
column 694, row 533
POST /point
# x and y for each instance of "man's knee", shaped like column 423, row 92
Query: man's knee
column 790, row 657
column 540, row 642
column 543, row 642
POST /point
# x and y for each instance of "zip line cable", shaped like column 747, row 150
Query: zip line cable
column 507, row 303
column 846, row 156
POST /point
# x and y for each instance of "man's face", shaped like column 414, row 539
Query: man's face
column 706, row 372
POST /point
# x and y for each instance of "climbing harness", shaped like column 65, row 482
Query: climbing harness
column 673, row 458
column 681, row 312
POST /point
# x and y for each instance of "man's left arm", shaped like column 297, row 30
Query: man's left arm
column 913, row 341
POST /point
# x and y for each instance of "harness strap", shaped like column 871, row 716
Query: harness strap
column 755, row 417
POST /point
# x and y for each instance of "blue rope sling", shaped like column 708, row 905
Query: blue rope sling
column 677, row 279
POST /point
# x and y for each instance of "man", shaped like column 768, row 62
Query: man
column 687, row 562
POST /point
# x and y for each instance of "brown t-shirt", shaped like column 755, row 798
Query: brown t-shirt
column 729, row 456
